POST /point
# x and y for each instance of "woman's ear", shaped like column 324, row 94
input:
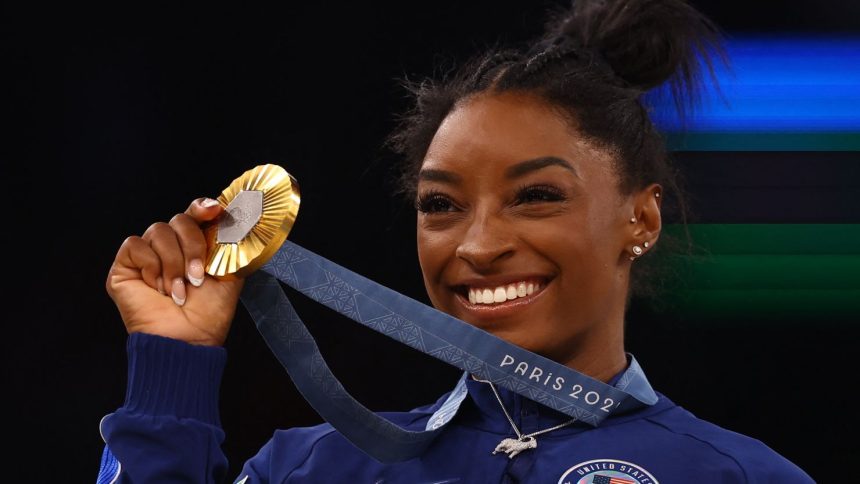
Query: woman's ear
column 647, row 221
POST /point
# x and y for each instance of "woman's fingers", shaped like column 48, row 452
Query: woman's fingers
column 136, row 254
column 191, row 236
column 180, row 248
column 164, row 241
column 193, row 244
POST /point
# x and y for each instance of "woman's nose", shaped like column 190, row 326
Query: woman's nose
column 486, row 242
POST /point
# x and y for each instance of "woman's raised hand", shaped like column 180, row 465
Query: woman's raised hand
column 158, row 283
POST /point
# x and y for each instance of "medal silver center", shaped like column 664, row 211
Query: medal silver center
column 240, row 216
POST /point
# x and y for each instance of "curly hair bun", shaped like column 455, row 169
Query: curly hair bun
column 646, row 42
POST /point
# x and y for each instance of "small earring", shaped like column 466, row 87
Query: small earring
column 646, row 245
column 633, row 220
column 636, row 250
column 657, row 194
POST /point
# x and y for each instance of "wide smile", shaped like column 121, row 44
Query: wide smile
column 488, row 302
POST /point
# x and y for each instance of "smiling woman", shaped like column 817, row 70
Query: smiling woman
column 539, row 182
column 510, row 197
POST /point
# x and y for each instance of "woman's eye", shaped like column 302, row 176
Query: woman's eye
column 434, row 203
column 540, row 193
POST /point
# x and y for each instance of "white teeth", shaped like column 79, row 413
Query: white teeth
column 521, row 289
column 502, row 293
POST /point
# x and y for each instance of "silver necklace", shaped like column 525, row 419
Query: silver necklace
column 510, row 446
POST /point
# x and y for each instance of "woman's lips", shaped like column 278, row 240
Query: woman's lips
column 501, row 309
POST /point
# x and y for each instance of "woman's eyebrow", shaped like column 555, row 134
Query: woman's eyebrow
column 524, row 167
column 439, row 176
column 520, row 169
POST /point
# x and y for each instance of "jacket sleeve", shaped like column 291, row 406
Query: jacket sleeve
column 168, row 429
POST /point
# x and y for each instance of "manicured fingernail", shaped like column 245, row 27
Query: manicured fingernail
column 160, row 286
column 178, row 292
column 208, row 202
column 195, row 272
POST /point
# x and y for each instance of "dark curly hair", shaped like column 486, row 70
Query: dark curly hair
column 594, row 63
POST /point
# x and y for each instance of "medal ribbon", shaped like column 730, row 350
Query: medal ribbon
column 424, row 328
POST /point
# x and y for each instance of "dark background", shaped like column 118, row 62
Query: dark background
column 119, row 118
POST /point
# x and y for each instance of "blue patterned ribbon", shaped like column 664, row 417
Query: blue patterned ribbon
column 424, row 328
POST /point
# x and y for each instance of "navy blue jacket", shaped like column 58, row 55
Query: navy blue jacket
column 168, row 431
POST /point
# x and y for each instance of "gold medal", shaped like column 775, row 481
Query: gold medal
column 260, row 208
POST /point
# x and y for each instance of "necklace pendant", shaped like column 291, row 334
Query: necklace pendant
column 512, row 447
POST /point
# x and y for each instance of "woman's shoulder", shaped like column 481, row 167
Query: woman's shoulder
column 755, row 459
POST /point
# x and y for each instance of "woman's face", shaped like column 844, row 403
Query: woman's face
column 521, row 229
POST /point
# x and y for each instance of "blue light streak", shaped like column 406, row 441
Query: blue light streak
column 779, row 85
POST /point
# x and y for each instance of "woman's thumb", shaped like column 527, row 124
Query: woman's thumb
column 204, row 209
